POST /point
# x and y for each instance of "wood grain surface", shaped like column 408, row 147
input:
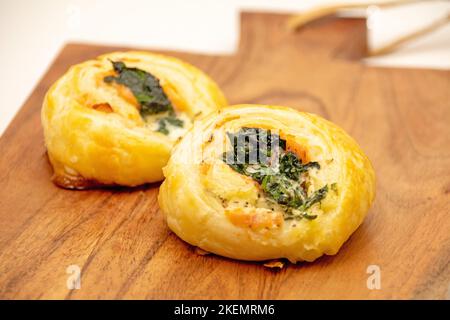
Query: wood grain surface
column 118, row 237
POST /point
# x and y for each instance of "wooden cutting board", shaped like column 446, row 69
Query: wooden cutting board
column 120, row 242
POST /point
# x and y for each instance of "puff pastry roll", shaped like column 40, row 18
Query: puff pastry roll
column 114, row 120
column 256, row 182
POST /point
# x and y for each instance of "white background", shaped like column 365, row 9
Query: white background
column 32, row 33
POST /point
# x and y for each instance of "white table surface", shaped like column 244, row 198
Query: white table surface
column 32, row 32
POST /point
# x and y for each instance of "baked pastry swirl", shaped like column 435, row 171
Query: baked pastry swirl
column 114, row 120
column 256, row 182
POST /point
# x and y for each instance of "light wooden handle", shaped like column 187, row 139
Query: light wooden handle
column 302, row 19
column 298, row 21
column 409, row 37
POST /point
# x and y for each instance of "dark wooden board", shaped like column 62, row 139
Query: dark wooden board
column 122, row 245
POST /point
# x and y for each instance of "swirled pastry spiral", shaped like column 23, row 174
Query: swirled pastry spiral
column 256, row 182
column 114, row 120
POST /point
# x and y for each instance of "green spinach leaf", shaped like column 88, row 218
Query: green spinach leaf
column 144, row 86
column 262, row 156
column 169, row 120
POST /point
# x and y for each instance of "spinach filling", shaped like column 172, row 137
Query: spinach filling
column 169, row 120
column 261, row 155
column 148, row 93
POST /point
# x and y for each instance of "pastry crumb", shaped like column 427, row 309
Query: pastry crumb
column 274, row 264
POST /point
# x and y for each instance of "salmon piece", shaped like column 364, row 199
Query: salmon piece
column 298, row 149
column 104, row 107
column 254, row 218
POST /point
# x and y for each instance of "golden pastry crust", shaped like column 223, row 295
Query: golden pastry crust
column 94, row 132
column 213, row 207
